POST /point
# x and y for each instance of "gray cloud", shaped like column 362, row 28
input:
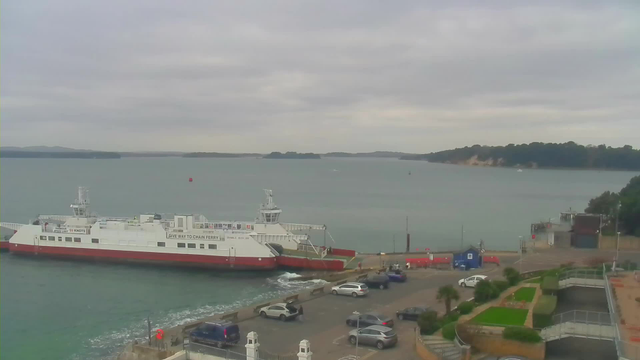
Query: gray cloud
column 332, row 75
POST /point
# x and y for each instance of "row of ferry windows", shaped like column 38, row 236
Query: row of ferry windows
column 68, row 239
column 190, row 245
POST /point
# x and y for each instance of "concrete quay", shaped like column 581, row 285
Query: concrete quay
column 324, row 320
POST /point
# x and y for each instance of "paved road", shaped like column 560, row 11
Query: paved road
column 324, row 325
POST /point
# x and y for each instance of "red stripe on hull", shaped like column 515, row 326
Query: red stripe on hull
column 237, row 263
column 314, row 264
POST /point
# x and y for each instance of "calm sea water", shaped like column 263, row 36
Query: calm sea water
column 70, row 310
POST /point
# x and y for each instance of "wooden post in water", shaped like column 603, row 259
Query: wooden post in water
column 149, row 329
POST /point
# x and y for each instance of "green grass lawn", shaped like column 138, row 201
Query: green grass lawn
column 534, row 281
column 524, row 294
column 500, row 316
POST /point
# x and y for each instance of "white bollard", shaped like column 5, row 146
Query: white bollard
column 305, row 350
column 252, row 346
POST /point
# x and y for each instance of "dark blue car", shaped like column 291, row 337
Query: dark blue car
column 216, row 334
column 397, row 276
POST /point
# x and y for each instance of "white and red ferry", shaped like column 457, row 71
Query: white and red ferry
column 190, row 240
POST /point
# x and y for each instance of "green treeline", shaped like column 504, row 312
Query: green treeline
column 625, row 206
column 537, row 154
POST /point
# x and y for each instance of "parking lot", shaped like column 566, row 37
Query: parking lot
column 325, row 326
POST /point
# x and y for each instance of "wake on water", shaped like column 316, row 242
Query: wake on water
column 107, row 346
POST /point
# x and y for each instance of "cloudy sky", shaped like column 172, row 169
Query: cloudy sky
column 317, row 76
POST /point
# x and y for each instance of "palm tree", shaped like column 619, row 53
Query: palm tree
column 447, row 293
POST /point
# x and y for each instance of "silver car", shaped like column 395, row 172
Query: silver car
column 280, row 311
column 353, row 288
column 376, row 335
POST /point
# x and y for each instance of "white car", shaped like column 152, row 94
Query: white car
column 471, row 281
column 353, row 288
column 280, row 311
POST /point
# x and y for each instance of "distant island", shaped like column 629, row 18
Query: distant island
column 374, row 154
column 537, row 154
column 291, row 155
column 218, row 155
column 59, row 154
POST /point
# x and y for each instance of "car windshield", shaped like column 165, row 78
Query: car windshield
column 363, row 287
column 389, row 333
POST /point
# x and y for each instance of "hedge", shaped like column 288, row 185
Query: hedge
column 549, row 285
column 428, row 322
column 520, row 334
column 501, row 285
column 449, row 331
column 485, row 291
column 465, row 307
column 543, row 310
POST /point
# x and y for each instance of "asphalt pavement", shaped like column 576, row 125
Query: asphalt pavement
column 325, row 326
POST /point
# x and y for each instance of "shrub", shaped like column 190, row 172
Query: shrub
column 551, row 272
column 519, row 334
column 448, row 319
column 449, row 331
column 512, row 275
column 542, row 311
column 465, row 307
column 428, row 322
column 485, row 291
column 549, row 285
column 501, row 285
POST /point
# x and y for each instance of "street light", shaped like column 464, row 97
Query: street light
column 617, row 232
column 521, row 244
column 357, row 314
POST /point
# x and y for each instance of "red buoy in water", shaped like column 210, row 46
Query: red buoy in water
column 190, row 179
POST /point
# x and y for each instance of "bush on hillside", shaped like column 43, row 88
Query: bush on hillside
column 485, row 291
column 428, row 322
column 449, row 331
column 501, row 285
column 549, row 285
column 465, row 307
column 520, row 334
column 512, row 275
column 543, row 310
column 449, row 318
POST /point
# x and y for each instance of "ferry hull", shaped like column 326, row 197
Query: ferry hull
column 185, row 260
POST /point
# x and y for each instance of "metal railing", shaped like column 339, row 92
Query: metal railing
column 200, row 352
column 625, row 349
column 579, row 323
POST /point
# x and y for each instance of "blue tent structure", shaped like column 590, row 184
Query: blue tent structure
column 468, row 259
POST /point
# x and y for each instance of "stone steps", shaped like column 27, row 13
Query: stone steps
column 448, row 350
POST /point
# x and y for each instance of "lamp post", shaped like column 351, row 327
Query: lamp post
column 617, row 232
column 357, row 314
column 521, row 244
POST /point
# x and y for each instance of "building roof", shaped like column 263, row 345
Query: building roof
column 469, row 248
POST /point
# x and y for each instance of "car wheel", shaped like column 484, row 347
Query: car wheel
column 334, row 292
column 353, row 340
column 282, row 317
column 381, row 287
column 380, row 345
column 400, row 317
column 464, row 284
column 263, row 314
column 355, row 294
